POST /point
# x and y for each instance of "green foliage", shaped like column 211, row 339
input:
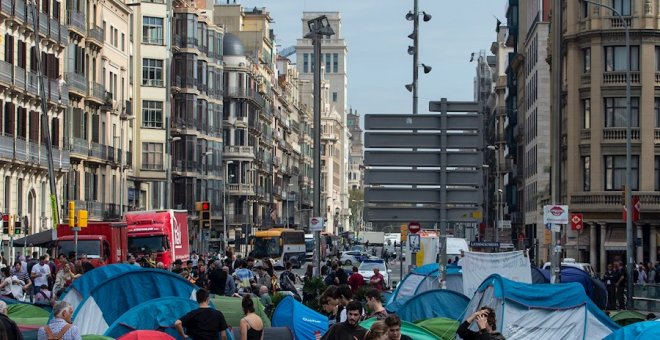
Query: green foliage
column 277, row 298
column 312, row 290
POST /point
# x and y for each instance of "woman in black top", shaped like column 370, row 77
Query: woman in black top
column 252, row 328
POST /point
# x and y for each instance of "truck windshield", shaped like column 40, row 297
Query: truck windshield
column 142, row 245
column 264, row 247
column 90, row 247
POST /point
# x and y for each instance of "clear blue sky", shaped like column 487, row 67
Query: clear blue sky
column 376, row 33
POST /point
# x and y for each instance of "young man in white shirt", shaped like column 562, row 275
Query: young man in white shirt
column 40, row 273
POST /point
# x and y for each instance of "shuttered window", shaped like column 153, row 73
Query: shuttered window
column 34, row 126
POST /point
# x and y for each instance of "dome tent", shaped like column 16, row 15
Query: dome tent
column 82, row 286
column 422, row 279
column 300, row 319
column 157, row 314
column 433, row 304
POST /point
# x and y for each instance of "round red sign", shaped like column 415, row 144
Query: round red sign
column 414, row 227
column 315, row 221
column 557, row 211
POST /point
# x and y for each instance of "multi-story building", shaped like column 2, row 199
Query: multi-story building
column 197, row 109
column 23, row 157
column 97, row 75
column 532, row 131
column 334, row 135
column 356, row 161
column 148, row 66
column 594, row 126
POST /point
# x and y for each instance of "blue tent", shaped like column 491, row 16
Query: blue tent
column 639, row 330
column 82, row 286
column 434, row 304
column 543, row 311
column 422, row 279
column 157, row 314
column 300, row 319
column 594, row 289
column 112, row 298
column 539, row 276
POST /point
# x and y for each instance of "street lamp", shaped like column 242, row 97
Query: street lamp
column 499, row 190
column 629, row 229
column 318, row 28
column 414, row 51
column 224, row 207
column 122, row 176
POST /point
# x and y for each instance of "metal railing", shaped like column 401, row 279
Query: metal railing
column 6, row 72
column 241, row 189
column 20, row 149
column 76, row 20
column 76, row 81
column 239, row 150
column 96, row 33
column 79, row 146
column 97, row 91
column 98, row 150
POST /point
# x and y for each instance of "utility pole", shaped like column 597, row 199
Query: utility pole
column 555, row 146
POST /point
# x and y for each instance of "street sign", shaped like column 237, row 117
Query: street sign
column 415, row 195
column 414, row 227
column 316, row 224
column 576, row 222
column 421, row 214
column 421, row 177
column 557, row 214
column 385, row 122
column 428, row 140
column 504, row 224
column 414, row 243
column 485, row 244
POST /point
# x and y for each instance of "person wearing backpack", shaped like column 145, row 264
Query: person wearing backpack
column 288, row 280
column 60, row 327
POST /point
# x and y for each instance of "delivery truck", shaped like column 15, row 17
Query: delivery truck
column 160, row 232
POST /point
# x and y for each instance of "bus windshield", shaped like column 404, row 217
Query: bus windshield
column 267, row 247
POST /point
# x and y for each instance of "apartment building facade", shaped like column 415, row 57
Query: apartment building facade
column 594, row 127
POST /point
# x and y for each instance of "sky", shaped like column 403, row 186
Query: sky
column 376, row 34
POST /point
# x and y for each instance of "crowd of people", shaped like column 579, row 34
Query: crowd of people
column 616, row 280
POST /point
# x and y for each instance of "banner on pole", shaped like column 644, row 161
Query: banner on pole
column 477, row 267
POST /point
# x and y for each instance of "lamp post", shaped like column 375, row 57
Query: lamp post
column 122, row 175
column 629, row 228
column 318, row 28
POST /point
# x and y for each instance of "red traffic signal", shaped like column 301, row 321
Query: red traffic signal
column 5, row 218
column 206, row 206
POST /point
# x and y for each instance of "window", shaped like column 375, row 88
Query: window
column 657, row 111
column 585, row 9
column 152, row 72
column 305, row 62
column 615, row 58
column 123, row 44
column 622, row 6
column 334, row 97
column 586, row 173
column 327, row 62
column 615, row 172
column 657, row 58
column 657, row 173
column 152, row 30
column 586, row 60
column 586, row 113
column 335, row 62
column 152, row 114
column 152, row 156
column 615, row 111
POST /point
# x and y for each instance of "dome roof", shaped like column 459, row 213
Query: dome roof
column 232, row 46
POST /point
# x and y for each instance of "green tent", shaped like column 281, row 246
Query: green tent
column 442, row 327
column 407, row 328
column 627, row 317
column 233, row 311
column 27, row 315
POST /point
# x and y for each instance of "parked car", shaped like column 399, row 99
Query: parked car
column 366, row 269
column 353, row 257
column 569, row 262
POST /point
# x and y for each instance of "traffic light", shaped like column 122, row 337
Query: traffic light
column 204, row 213
column 82, row 218
column 5, row 224
column 17, row 225
column 72, row 214
column 10, row 231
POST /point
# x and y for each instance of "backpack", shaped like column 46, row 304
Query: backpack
column 287, row 285
column 58, row 336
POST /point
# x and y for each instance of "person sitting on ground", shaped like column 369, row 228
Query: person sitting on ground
column 252, row 327
column 393, row 323
column 5, row 285
column 204, row 322
column 8, row 325
column 44, row 296
column 377, row 331
column 375, row 305
column 486, row 322
column 60, row 326
column 349, row 329
column 64, row 278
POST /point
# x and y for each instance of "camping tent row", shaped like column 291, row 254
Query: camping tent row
column 116, row 299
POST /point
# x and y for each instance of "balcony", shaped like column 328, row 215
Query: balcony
column 240, row 189
column 96, row 93
column 80, row 147
column 238, row 92
column 95, row 36
column 585, row 134
column 98, row 151
column 43, row 23
column 238, row 151
column 656, row 136
column 618, row 78
column 76, row 22
column 616, row 22
column 618, row 134
column 611, row 201
column 6, row 72
column 77, row 83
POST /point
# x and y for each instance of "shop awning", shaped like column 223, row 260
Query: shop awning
column 42, row 239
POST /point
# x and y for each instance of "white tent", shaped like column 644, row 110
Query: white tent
column 541, row 311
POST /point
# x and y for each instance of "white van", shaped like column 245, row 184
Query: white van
column 454, row 247
column 570, row 262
